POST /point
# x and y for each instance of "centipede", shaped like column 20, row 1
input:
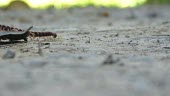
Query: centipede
column 13, row 33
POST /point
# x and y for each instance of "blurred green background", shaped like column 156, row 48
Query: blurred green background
column 43, row 4
column 157, row 2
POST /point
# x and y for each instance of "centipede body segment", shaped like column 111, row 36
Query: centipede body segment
column 11, row 33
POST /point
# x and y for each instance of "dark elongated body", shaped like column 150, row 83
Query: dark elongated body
column 31, row 33
column 12, row 36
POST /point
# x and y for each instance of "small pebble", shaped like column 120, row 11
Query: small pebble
column 152, row 15
column 80, row 57
column 104, row 14
column 116, row 35
column 165, row 22
column 109, row 60
column 109, row 23
column 127, row 36
column 88, row 41
column 9, row 54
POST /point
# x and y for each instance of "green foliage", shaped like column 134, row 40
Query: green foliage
column 158, row 2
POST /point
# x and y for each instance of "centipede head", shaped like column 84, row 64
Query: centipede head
column 54, row 35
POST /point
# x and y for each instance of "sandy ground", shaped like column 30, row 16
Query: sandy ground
column 111, row 52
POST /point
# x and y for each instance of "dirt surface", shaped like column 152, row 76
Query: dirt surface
column 98, row 51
